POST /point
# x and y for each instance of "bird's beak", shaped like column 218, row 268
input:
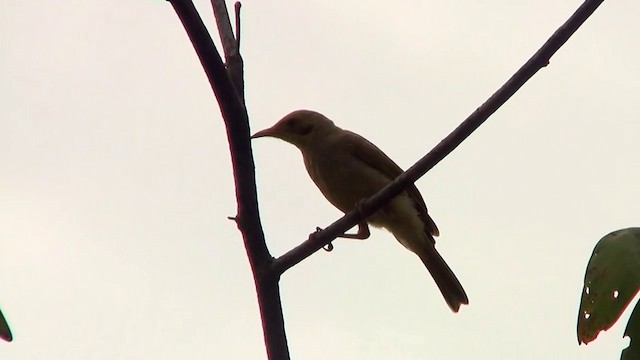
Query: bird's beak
column 262, row 133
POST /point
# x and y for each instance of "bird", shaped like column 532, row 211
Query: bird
column 348, row 169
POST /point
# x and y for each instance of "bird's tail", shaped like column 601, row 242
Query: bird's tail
column 446, row 280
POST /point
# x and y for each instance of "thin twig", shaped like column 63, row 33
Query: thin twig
column 237, row 7
column 230, row 46
column 224, row 27
column 539, row 60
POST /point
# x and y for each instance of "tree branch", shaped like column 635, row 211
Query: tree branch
column 539, row 60
column 230, row 45
column 228, row 86
column 237, row 7
column 237, row 127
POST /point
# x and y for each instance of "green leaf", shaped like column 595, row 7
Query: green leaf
column 5, row 332
column 611, row 281
column 633, row 332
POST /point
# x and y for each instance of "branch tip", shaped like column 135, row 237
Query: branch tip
column 237, row 7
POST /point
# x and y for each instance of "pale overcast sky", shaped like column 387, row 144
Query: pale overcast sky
column 116, row 181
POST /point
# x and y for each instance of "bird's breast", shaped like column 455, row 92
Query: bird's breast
column 343, row 179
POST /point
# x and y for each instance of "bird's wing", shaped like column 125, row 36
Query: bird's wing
column 363, row 150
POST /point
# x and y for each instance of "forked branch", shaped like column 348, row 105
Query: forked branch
column 227, row 84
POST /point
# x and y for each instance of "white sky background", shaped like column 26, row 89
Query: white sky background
column 116, row 182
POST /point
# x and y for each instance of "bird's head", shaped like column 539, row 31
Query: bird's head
column 300, row 128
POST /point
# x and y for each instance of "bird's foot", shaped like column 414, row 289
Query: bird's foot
column 363, row 228
column 328, row 247
column 363, row 233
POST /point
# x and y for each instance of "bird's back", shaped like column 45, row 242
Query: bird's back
column 347, row 168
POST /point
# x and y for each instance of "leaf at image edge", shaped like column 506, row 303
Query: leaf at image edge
column 5, row 332
column 614, row 268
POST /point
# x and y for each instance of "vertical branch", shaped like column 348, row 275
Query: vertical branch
column 226, row 84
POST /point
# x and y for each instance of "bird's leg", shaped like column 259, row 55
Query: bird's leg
column 363, row 233
column 363, row 229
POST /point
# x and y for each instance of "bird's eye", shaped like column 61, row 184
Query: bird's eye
column 304, row 129
column 292, row 123
column 295, row 125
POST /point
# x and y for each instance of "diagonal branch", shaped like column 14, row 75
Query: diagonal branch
column 539, row 60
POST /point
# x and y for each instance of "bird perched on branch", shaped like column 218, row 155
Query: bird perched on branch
column 347, row 169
